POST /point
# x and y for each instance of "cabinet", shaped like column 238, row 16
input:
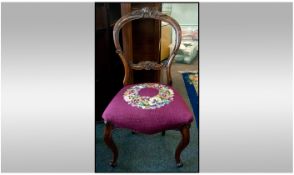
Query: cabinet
column 108, row 67
column 140, row 39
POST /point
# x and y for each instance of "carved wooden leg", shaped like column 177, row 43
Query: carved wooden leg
column 109, row 142
column 185, row 131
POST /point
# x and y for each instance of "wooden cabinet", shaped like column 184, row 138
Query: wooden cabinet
column 140, row 39
column 108, row 67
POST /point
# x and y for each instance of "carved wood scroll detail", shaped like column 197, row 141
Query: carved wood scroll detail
column 146, row 65
column 146, row 12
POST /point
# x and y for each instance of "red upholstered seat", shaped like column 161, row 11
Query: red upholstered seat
column 148, row 108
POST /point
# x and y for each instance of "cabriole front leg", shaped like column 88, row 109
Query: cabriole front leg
column 109, row 142
column 185, row 132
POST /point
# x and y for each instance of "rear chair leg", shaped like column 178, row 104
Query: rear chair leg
column 109, row 142
column 185, row 132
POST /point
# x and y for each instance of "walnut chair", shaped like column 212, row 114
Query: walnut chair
column 147, row 108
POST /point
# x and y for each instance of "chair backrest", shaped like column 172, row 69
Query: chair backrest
column 146, row 65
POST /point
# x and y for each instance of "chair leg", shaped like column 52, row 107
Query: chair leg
column 109, row 142
column 163, row 133
column 185, row 132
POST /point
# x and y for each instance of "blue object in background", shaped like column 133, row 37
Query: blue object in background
column 193, row 96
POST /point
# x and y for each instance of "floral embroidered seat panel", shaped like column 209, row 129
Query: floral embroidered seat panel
column 148, row 95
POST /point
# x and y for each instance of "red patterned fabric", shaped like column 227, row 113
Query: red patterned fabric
column 148, row 108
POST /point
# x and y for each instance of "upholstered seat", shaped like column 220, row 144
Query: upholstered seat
column 148, row 108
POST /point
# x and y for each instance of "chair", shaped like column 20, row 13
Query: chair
column 147, row 108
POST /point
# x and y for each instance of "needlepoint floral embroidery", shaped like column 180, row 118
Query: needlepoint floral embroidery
column 163, row 97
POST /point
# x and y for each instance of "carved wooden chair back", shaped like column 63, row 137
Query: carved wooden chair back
column 146, row 65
